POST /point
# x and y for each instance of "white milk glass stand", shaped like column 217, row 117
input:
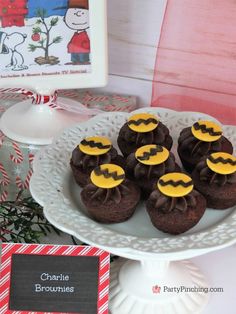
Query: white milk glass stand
column 157, row 261
column 38, row 124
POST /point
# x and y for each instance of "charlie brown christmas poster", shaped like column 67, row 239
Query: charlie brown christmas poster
column 42, row 37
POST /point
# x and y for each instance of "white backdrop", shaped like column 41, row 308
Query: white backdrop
column 134, row 28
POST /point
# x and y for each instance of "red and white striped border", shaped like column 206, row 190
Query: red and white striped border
column 66, row 250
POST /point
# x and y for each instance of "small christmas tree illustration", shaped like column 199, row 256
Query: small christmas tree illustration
column 41, row 35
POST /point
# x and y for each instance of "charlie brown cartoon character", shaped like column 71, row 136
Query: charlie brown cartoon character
column 77, row 18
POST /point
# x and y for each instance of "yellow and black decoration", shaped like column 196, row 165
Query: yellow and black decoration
column 107, row 176
column 95, row 145
column 207, row 131
column 222, row 163
column 143, row 122
column 175, row 184
column 152, row 154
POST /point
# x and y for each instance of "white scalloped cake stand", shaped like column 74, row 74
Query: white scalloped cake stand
column 140, row 285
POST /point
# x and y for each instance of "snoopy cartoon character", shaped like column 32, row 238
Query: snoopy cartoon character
column 9, row 44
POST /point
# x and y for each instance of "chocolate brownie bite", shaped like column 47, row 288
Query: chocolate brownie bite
column 143, row 129
column 175, row 206
column 147, row 165
column 215, row 178
column 110, row 198
column 90, row 153
column 202, row 139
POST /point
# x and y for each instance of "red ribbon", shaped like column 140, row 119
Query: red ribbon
column 37, row 99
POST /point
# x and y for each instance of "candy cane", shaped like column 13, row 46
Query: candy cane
column 111, row 108
column 120, row 98
column 10, row 90
column 98, row 98
column 27, row 180
column 19, row 183
column 5, row 181
column 2, row 137
column 68, row 93
column 3, row 196
column 24, row 185
column 10, row 96
column 19, row 158
column 31, row 158
column 87, row 97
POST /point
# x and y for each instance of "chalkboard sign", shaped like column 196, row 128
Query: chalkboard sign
column 65, row 279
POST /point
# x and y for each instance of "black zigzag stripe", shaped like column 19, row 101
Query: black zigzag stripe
column 105, row 172
column 152, row 152
column 222, row 160
column 176, row 183
column 94, row 144
column 204, row 129
column 142, row 121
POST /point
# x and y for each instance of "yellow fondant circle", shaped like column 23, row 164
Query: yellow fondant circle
column 222, row 163
column 206, row 131
column 175, row 184
column 143, row 122
column 152, row 154
column 95, row 145
column 107, row 176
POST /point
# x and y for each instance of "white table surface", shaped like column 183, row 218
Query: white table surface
column 218, row 267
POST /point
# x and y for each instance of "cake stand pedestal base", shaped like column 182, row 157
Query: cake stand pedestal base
column 151, row 287
column 36, row 124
